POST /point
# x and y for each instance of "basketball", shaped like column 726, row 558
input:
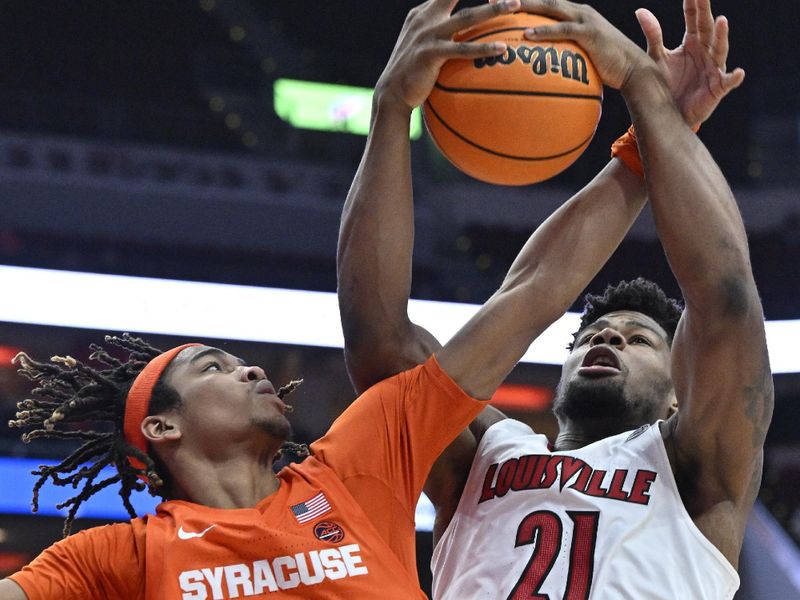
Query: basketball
column 518, row 118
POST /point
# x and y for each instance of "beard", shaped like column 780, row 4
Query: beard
column 610, row 400
column 590, row 399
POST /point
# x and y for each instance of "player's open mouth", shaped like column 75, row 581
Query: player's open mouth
column 600, row 361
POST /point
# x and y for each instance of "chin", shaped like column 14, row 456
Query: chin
column 277, row 427
column 608, row 400
column 589, row 399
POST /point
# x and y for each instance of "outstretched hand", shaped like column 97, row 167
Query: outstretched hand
column 696, row 71
column 426, row 42
column 614, row 56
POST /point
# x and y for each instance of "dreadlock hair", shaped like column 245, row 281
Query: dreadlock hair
column 91, row 401
column 300, row 450
column 640, row 295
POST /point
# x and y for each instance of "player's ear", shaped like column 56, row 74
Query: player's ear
column 161, row 428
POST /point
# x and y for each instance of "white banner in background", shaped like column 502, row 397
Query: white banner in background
column 116, row 303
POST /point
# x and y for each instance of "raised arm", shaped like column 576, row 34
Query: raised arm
column 554, row 266
column 720, row 365
column 376, row 238
column 376, row 235
column 377, row 229
column 563, row 255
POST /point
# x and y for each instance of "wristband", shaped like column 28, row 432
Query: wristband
column 626, row 148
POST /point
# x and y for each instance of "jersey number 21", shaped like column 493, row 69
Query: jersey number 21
column 543, row 529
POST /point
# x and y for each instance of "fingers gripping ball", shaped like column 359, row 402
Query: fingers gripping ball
column 518, row 118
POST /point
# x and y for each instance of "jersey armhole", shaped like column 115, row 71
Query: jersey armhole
column 666, row 467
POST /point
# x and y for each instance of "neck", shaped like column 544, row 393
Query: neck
column 577, row 435
column 239, row 482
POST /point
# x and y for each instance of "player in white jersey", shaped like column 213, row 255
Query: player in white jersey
column 601, row 516
column 611, row 513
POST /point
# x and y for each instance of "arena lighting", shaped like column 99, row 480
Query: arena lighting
column 117, row 303
column 329, row 107
column 510, row 396
column 11, row 562
column 15, row 474
column 6, row 354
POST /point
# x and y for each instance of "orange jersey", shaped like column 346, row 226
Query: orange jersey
column 340, row 525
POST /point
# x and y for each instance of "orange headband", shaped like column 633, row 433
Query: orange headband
column 137, row 403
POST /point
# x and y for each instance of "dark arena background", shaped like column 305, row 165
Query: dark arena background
column 170, row 141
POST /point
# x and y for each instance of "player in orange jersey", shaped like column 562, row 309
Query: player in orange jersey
column 202, row 428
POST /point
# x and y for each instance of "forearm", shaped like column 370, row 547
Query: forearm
column 374, row 256
column 554, row 266
column 571, row 246
column 377, row 230
column 695, row 212
column 723, row 386
column 560, row 259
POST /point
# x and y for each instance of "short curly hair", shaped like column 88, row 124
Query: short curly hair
column 640, row 295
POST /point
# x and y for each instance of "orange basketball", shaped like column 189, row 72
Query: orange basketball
column 518, row 118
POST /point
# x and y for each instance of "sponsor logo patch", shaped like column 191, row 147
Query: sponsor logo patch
column 328, row 531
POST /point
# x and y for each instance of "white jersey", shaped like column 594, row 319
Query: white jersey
column 603, row 522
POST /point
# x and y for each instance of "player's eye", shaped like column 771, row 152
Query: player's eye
column 585, row 338
column 639, row 339
column 212, row 366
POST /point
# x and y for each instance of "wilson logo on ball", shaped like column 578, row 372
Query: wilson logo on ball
column 571, row 65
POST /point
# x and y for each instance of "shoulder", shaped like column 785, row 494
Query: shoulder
column 425, row 385
column 428, row 372
column 499, row 429
column 430, row 380
column 106, row 543
column 88, row 564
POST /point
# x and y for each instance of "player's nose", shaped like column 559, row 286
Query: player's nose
column 609, row 336
column 252, row 373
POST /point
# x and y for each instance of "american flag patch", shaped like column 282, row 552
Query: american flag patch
column 311, row 508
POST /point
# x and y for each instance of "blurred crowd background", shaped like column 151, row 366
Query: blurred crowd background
column 169, row 140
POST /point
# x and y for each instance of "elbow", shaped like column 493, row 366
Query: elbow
column 737, row 296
